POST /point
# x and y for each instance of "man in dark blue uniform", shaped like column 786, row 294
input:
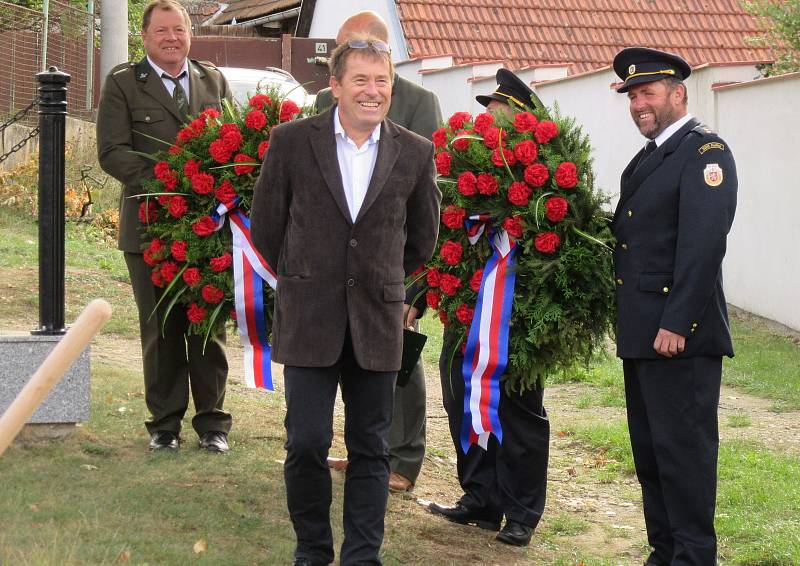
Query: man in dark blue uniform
column 508, row 479
column 677, row 202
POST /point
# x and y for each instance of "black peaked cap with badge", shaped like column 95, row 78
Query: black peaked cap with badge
column 636, row 65
column 510, row 88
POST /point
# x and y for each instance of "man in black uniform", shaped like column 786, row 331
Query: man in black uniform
column 510, row 478
column 677, row 202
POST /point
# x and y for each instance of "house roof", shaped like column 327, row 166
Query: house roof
column 244, row 10
column 586, row 34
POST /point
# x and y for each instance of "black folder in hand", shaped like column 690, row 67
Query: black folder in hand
column 413, row 343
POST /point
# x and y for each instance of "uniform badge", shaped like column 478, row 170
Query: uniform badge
column 709, row 146
column 143, row 75
column 631, row 70
column 712, row 175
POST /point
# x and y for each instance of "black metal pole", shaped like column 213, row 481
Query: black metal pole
column 52, row 120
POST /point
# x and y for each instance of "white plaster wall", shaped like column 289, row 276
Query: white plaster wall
column 330, row 14
column 409, row 70
column 454, row 89
column 698, row 88
column 762, row 266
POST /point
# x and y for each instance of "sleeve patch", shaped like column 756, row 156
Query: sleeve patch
column 709, row 146
column 713, row 175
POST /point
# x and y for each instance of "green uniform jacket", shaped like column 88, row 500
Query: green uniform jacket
column 413, row 107
column 136, row 107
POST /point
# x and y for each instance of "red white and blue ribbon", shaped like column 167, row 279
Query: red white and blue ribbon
column 486, row 354
column 250, row 272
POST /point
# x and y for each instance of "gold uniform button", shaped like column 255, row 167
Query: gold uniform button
column 692, row 330
column 619, row 282
column 624, row 246
column 630, row 213
column 147, row 118
column 665, row 290
column 694, row 325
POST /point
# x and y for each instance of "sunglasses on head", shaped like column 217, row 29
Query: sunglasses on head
column 365, row 43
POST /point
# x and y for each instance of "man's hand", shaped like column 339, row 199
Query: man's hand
column 409, row 315
column 668, row 343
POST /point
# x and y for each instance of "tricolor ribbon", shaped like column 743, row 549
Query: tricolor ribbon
column 486, row 354
column 250, row 272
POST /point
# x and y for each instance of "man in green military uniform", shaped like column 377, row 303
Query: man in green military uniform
column 141, row 103
column 676, row 207
column 416, row 109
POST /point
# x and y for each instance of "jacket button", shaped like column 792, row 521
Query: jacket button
column 665, row 290
column 353, row 242
column 147, row 118
column 694, row 325
column 630, row 213
column 351, row 282
column 620, row 281
column 624, row 246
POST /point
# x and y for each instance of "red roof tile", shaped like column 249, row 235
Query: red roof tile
column 583, row 33
column 243, row 10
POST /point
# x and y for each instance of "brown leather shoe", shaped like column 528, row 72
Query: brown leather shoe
column 399, row 483
column 338, row 464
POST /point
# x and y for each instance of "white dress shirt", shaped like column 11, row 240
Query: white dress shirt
column 170, row 86
column 355, row 163
column 671, row 129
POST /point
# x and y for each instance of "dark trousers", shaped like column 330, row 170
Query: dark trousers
column 174, row 362
column 310, row 397
column 407, row 433
column 506, row 479
column 672, row 416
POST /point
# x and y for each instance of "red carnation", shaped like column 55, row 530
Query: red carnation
column 526, row 152
column 178, row 206
column 513, row 226
column 225, row 193
column 179, row 250
column 203, row 183
column 185, row 135
column 147, row 212
column 210, row 113
column 443, row 161
column 453, row 217
column 443, row 318
column 451, row 252
column 494, row 137
column 475, row 280
column 262, row 149
column 212, row 295
column 519, row 194
column 150, row 258
column 156, row 278
column 156, row 245
column 450, row 284
column 169, row 269
column 231, row 137
column 432, row 299
column 221, row 263
column 170, row 180
column 487, row 184
column 467, row 184
column 288, row 110
column 524, row 122
column 219, row 151
column 439, row 138
column 243, row 169
column 567, row 175
column 536, row 175
column 433, row 277
column 161, row 169
column 464, row 314
column 196, row 313
column 456, row 121
column 164, row 200
column 483, row 122
column 191, row 276
column 547, row 242
column 260, row 101
column 556, row 209
column 174, row 150
column 497, row 157
column 545, row 131
column 255, row 120
column 191, row 168
column 204, row 227
column 462, row 144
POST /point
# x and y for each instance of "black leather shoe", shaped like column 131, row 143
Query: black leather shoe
column 214, row 441
column 302, row 562
column 465, row 516
column 164, row 440
column 515, row 533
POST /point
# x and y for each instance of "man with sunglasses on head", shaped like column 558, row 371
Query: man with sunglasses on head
column 416, row 109
column 332, row 212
